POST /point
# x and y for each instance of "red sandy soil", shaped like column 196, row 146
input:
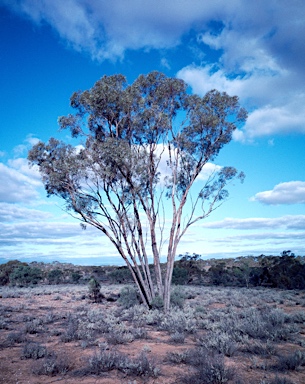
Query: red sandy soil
column 18, row 370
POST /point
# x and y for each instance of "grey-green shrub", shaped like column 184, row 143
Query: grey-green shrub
column 51, row 365
column 129, row 297
column 33, row 350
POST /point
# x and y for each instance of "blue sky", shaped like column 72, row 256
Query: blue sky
column 254, row 50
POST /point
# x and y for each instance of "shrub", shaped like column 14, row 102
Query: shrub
column 139, row 333
column 16, row 338
column 106, row 361
column 259, row 348
column 281, row 380
column 71, row 333
column 210, row 369
column 141, row 366
column 119, row 335
column 25, row 276
column 177, row 297
column 7, row 268
column 75, row 277
column 33, row 350
column 129, row 297
column 178, row 322
column 291, row 362
column 221, row 342
column 177, row 338
column 177, row 357
column 121, row 275
column 55, row 276
column 33, row 326
column 180, row 276
column 157, row 302
column 51, row 365
column 94, row 290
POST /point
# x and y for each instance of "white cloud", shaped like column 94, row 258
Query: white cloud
column 11, row 212
column 108, row 28
column 17, row 185
column 287, row 222
column 292, row 192
column 260, row 47
column 207, row 171
column 20, row 183
column 23, row 148
column 276, row 109
column 165, row 63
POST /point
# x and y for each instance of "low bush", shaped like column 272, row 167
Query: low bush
column 33, row 350
column 141, row 366
column 119, row 335
column 33, row 326
column 177, row 337
column 71, row 332
column 157, row 303
column 139, row 333
column 178, row 297
column 94, row 291
column 291, row 362
column 220, row 342
column 266, row 349
column 210, row 369
column 177, row 357
column 106, row 361
column 129, row 297
column 16, row 338
column 280, row 380
column 51, row 365
column 177, row 321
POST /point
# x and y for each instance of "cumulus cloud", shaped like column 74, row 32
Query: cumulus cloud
column 275, row 102
column 287, row 222
column 259, row 45
column 106, row 29
column 292, row 192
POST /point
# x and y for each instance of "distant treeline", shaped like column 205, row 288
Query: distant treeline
column 286, row 271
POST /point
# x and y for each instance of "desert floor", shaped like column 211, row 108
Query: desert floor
column 51, row 334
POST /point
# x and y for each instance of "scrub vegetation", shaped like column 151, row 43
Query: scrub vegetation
column 94, row 329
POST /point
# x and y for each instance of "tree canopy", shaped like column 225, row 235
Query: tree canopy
column 143, row 146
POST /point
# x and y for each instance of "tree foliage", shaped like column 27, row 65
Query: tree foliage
column 144, row 146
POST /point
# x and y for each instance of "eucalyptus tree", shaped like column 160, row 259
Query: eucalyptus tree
column 137, row 175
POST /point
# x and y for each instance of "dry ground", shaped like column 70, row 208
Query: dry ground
column 51, row 334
